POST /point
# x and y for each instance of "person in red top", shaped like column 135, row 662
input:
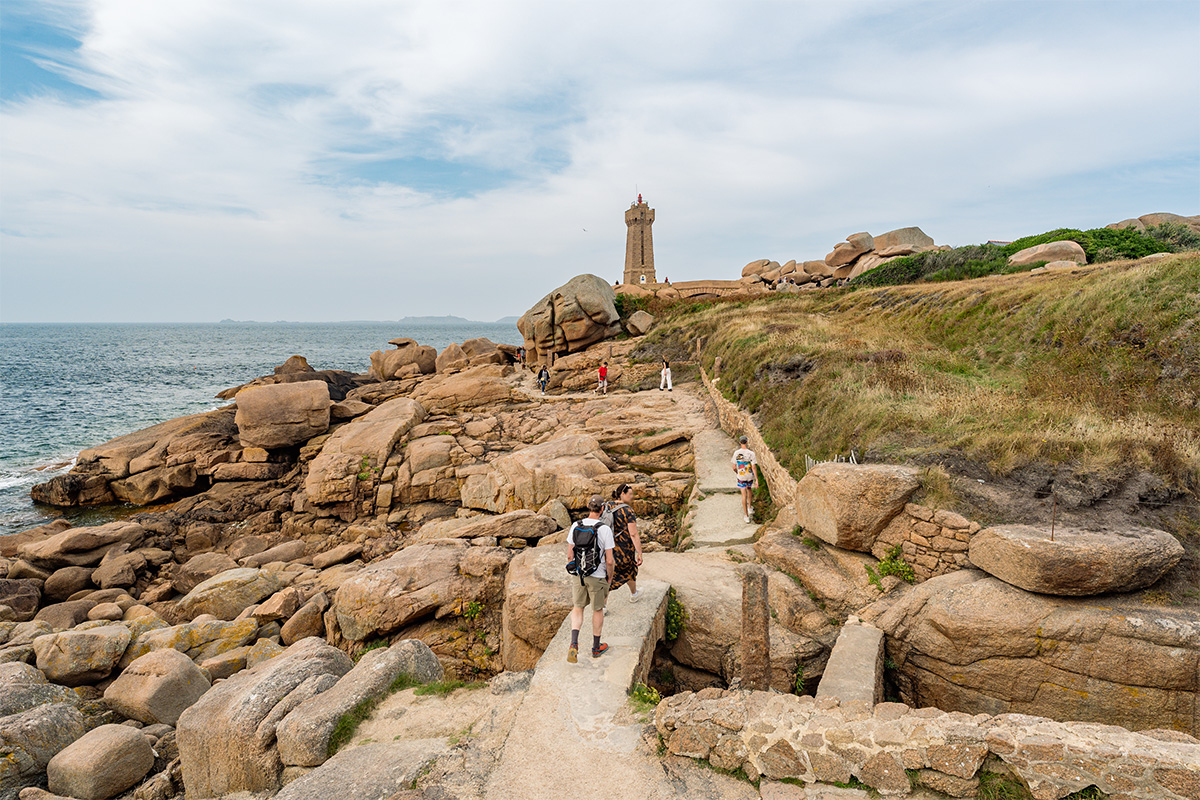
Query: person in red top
column 602, row 386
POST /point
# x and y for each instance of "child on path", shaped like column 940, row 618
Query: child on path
column 745, row 466
column 602, row 386
column 664, row 381
column 591, row 588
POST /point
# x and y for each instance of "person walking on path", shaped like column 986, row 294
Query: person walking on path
column 592, row 588
column 627, row 550
column 745, row 466
column 543, row 377
column 664, row 381
column 602, row 385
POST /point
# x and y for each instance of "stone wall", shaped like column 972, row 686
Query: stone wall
column 737, row 422
column 931, row 540
column 890, row 747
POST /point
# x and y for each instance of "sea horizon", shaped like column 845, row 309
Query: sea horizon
column 68, row 386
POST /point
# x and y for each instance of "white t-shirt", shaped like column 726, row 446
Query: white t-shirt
column 746, row 457
column 604, row 534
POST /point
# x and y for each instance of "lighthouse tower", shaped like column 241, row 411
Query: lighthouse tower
column 639, row 243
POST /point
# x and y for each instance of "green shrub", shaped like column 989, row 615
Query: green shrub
column 627, row 305
column 676, row 616
column 1176, row 236
column 644, row 698
column 975, row 261
column 893, row 564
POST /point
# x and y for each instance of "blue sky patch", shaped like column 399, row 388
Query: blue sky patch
column 30, row 50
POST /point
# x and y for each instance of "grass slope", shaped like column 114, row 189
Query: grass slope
column 1100, row 371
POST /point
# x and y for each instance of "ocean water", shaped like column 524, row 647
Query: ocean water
column 67, row 387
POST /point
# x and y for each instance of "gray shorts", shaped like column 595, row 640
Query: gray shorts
column 593, row 590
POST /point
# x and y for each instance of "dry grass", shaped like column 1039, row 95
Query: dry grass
column 1100, row 370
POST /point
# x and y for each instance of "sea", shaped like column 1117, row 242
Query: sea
column 67, row 387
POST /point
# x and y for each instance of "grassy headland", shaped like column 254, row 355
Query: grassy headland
column 1008, row 377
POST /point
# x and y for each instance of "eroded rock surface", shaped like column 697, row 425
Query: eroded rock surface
column 1075, row 562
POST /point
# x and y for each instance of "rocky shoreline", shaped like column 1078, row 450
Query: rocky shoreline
column 328, row 534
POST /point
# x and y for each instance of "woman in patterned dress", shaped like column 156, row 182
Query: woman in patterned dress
column 627, row 554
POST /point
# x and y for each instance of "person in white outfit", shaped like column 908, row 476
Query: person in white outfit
column 664, row 381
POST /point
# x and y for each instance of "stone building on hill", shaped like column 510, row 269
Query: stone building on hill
column 639, row 244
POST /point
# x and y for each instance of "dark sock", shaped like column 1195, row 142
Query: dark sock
column 575, row 638
column 595, row 642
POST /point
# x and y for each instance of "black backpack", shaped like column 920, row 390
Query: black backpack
column 586, row 550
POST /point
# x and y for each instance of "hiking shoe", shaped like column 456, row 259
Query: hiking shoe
column 599, row 651
column 747, row 518
column 635, row 596
column 573, row 654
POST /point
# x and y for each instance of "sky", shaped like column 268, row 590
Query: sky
column 375, row 159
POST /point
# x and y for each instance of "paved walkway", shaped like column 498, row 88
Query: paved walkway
column 717, row 520
column 573, row 735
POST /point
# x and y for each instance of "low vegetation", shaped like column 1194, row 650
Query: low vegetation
column 676, row 616
column 1100, row 371
column 343, row 732
column 975, row 261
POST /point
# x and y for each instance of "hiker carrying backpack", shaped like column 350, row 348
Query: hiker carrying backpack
column 590, row 548
column 587, row 548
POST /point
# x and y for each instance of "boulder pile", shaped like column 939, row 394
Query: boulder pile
column 314, row 520
column 859, row 253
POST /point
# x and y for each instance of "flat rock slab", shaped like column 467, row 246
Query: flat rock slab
column 1075, row 563
column 714, row 471
column 568, row 739
column 370, row 772
column 717, row 521
column 855, row 668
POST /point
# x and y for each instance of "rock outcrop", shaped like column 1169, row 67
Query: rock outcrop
column 407, row 360
column 848, row 505
column 157, row 687
column 102, row 763
column 1052, row 251
column 422, row 581
column 32, row 738
column 1075, row 563
column 972, row 643
column 305, row 733
column 579, row 313
column 282, row 415
column 246, row 708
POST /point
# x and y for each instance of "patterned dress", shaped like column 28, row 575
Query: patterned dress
column 625, row 567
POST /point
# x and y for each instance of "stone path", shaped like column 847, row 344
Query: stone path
column 717, row 520
column 573, row 735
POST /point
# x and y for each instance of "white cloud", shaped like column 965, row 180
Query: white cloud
column 221, row 173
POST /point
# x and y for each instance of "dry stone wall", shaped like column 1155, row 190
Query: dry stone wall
column 737, row 422
column 933, row 541
column 893, row 748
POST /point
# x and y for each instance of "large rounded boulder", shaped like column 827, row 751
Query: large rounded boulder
column 848, row 505
column 577, row 314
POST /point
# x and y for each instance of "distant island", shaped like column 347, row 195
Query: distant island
column 446, row 320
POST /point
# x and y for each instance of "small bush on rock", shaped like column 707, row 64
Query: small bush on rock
column 676, row 616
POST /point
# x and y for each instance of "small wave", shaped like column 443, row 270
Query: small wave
column 14, row 477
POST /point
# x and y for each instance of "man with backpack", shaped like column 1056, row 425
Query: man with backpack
column 590, row 550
